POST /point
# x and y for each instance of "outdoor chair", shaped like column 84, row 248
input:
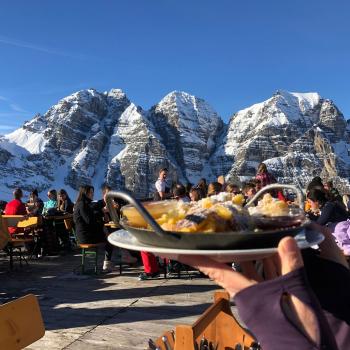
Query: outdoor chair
column 16, row 242
column 21, row 323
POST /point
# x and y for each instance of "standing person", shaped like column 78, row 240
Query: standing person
column 263, row 176
column 150, row 264
column 15, row 207
column 65, row 205
column 162, row 190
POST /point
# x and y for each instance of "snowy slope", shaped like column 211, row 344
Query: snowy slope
column 92, row 137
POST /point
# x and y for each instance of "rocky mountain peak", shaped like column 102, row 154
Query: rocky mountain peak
column 92, row 137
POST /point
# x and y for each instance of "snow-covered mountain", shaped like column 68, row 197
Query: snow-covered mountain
column 299, row 136
column 92, row 137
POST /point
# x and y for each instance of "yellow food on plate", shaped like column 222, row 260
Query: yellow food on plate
column 212, row 214
column 270, row 206
column 219, row 213
column 206, row 203
column 156, row 209
column 238, row 199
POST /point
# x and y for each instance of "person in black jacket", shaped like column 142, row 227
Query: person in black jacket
column 329, row 211
column 88, row 225
column 65, row 205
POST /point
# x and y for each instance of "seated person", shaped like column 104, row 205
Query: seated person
column 51, row 203
column 248, row 191
column 232, row 188
column 214, row 188
column 88, row 225
column 65, row 205
column 15, row 207
column 333, row 193
column 195, row 194
column 329, row 211
column 35, row 205
column 100, row 208
column 179, row 193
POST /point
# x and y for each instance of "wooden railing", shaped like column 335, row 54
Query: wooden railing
column 216, row 329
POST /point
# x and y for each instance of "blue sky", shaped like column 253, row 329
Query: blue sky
column 231, row 53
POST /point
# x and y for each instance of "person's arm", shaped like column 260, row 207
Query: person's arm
column 282, row 313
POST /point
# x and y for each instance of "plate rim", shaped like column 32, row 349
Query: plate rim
column 153, row 249
column 257, row 231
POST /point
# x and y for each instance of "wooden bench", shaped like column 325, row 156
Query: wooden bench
column 217, row 326
column 89, row 250
column 21, row 323
column 16, row 241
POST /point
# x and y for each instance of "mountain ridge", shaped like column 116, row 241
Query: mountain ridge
column 92, row 137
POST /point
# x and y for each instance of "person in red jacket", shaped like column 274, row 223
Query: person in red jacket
column 15, row 207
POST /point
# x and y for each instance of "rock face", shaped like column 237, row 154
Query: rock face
column 92, row 137
column 298, row 135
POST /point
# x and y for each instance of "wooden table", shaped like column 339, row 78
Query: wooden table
column 58, row 217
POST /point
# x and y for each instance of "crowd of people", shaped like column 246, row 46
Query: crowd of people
column 52, row 234
column 308, row 290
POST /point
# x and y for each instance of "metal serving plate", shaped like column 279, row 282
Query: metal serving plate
column 156, row 236
column 213, row 240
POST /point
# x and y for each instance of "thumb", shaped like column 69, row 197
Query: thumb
column 289, row 254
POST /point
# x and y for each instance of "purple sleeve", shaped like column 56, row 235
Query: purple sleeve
column 259, row 306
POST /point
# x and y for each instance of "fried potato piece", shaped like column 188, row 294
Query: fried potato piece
column 270, row 206
column 238, row 199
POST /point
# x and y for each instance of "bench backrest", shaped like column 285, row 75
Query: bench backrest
column 21, row 323
column 4, row 234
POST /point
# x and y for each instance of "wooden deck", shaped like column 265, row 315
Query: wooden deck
column 109, row 311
